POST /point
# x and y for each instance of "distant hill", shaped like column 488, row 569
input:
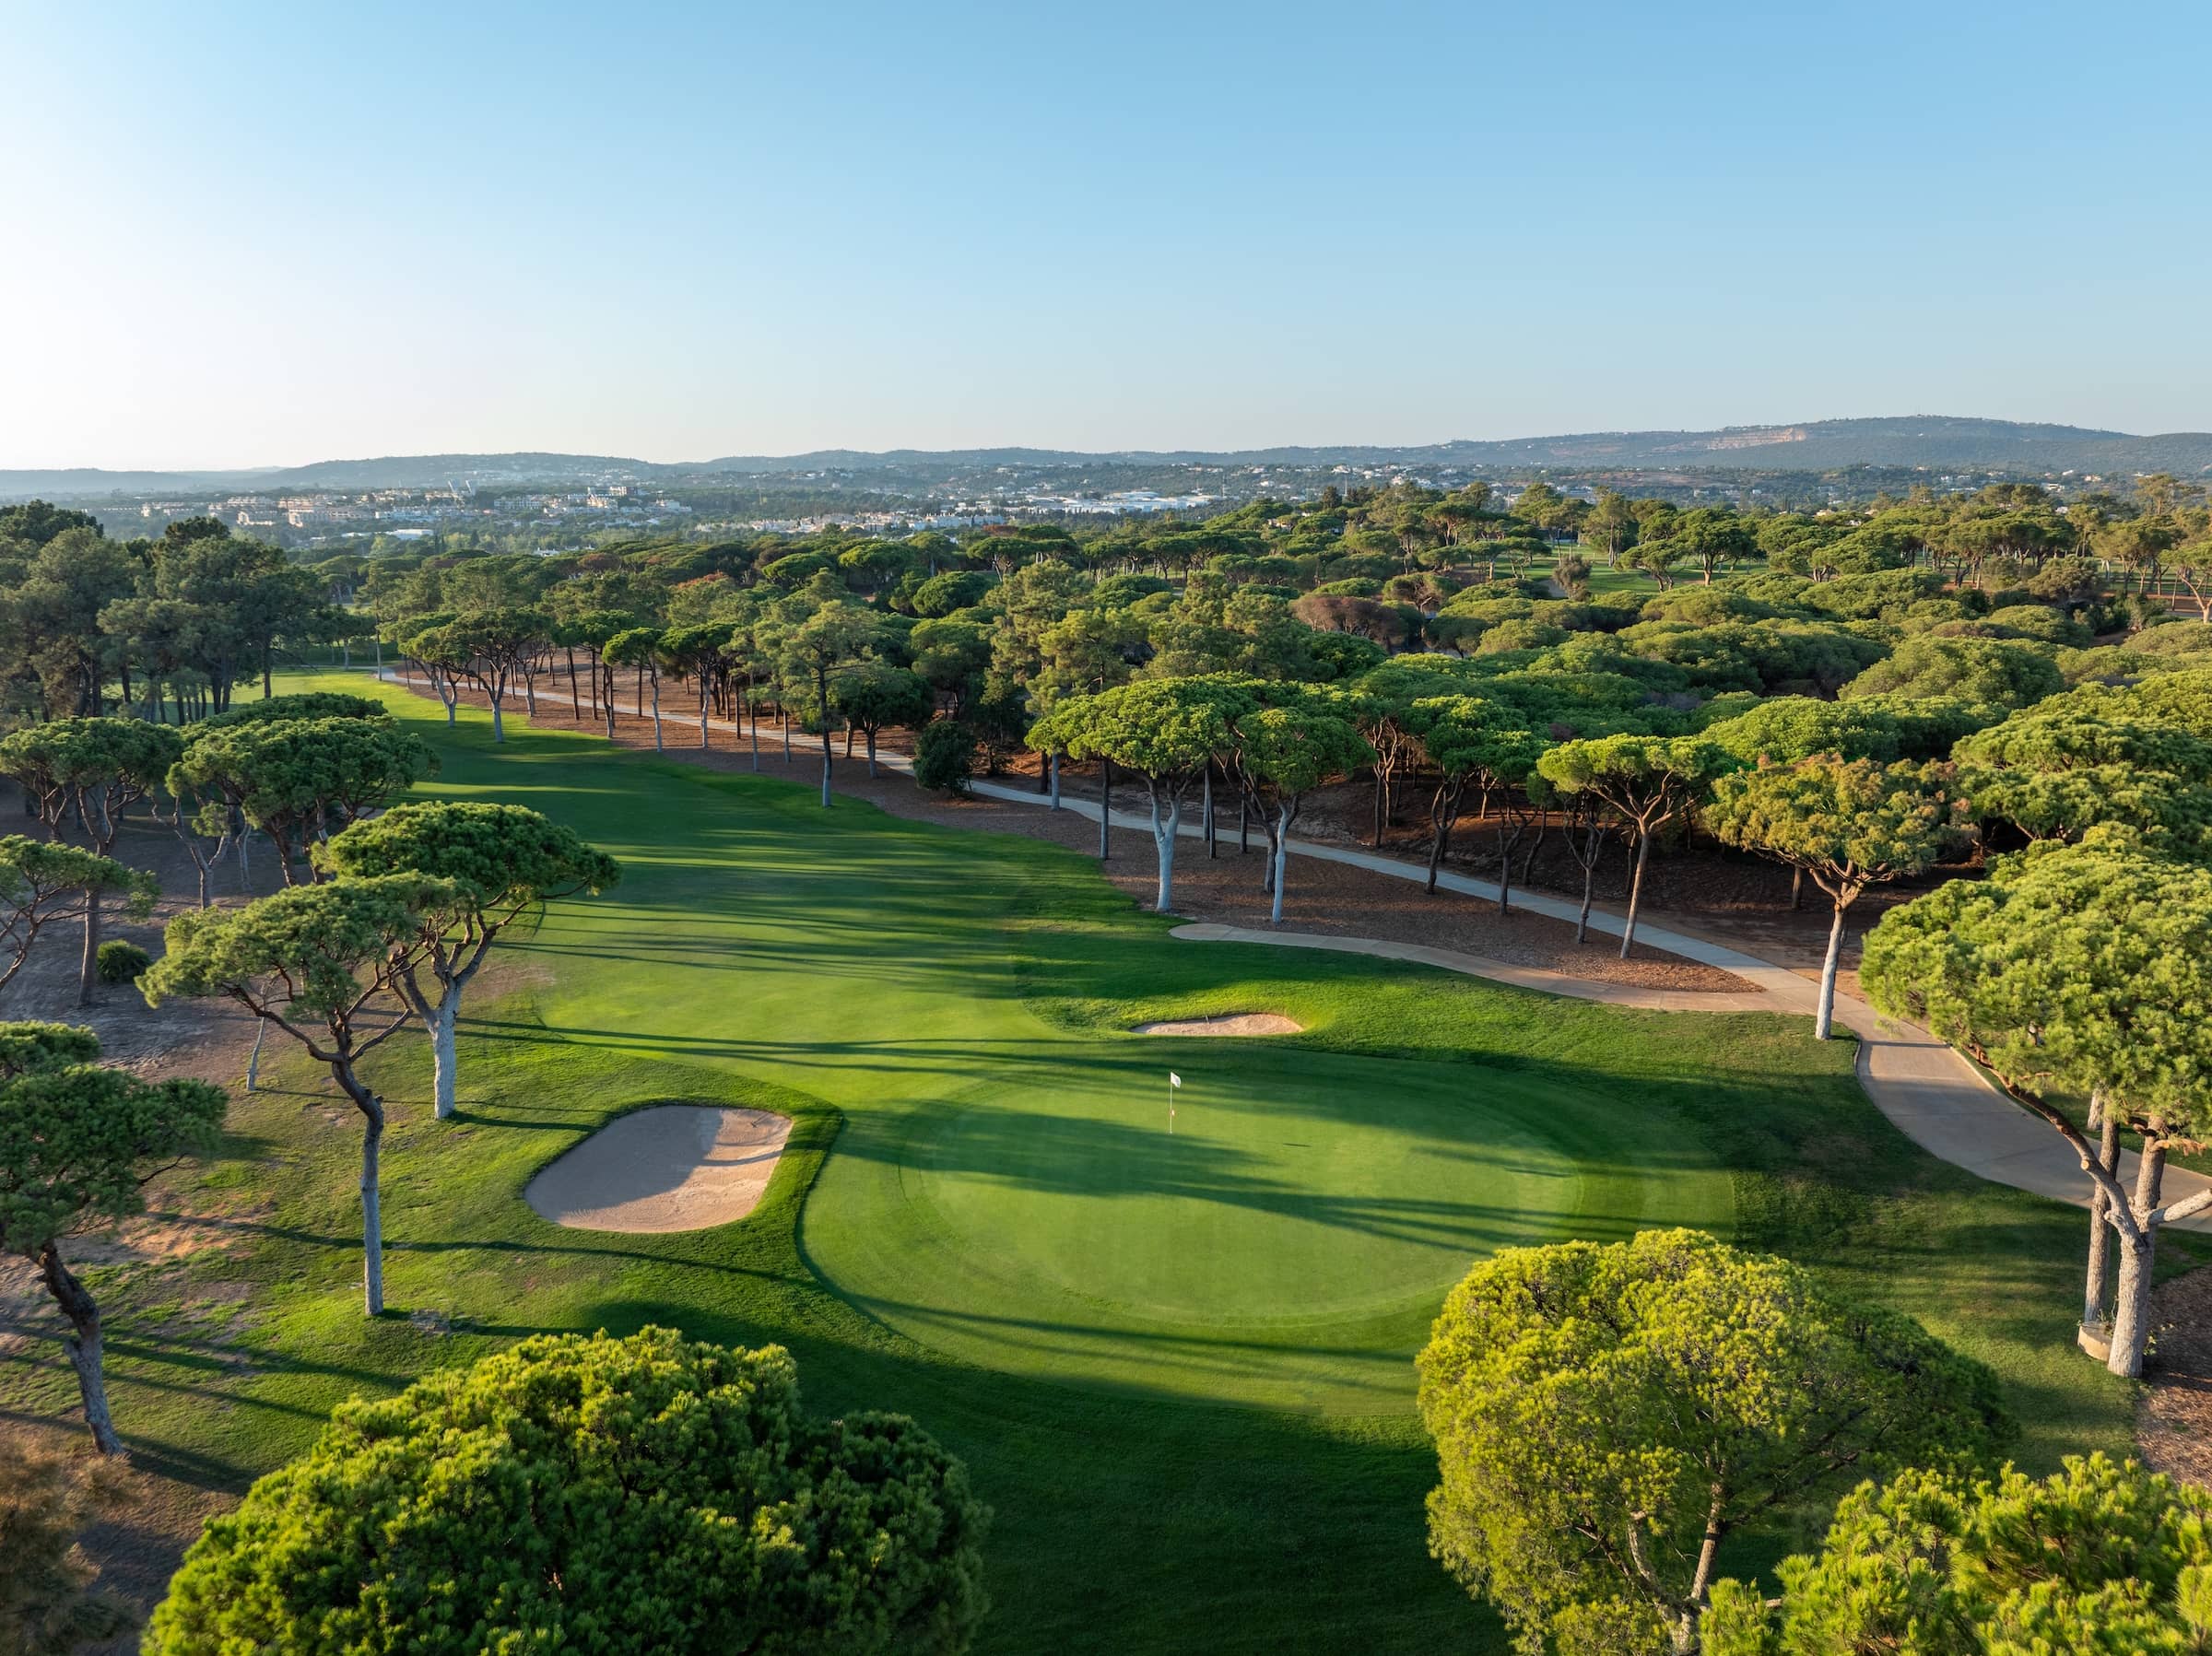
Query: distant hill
column 1938, row 442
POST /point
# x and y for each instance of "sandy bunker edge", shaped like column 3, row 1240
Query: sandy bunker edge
column 1233, row 1022
column 667, row 1167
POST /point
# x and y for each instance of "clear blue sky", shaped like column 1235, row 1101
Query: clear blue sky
column 273, row 233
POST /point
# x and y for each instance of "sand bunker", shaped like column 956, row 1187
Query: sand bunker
column 674, row 1167
column 1236, row 1023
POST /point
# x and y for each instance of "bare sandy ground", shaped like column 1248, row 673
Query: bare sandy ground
column 673, row 1167
column 1238, row 1023
column 2173, row 1421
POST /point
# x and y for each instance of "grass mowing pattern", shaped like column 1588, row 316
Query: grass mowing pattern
column 977, row 1221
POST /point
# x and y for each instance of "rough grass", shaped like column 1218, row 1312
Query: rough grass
column 1178, row 1373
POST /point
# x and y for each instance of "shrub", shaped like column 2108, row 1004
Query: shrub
column 120, row 962
column 307, row 704
column 648, row 1494
column 945, row 757
column 1520, row 634
column 2096, row 1558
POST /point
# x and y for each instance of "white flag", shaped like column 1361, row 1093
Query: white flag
column 1173, row 1079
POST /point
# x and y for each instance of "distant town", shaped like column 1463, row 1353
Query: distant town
column 551, row 502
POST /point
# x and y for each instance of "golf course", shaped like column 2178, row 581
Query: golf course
column 1173, row 1351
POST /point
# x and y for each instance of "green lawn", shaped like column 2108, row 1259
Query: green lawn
column 1178, row 1367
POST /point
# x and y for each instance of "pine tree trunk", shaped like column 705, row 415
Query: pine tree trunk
column 1282, row 860
column 373, row 1214
column 1447, row 816
column 83, row 1345
column 2130, row 1304
column 1825, row 1020
column 1105, row 808
column 87, row 973
column 1163, row 844
column 443, row 1053
column 1628, row 933
column 2095, row 1322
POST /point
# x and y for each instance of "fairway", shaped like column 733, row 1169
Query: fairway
column 1178, row 1366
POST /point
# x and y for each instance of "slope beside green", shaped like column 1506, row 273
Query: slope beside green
column 1179, row 1367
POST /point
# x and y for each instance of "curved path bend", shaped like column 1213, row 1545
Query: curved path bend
column 1931, row 1093
column 1937, row 1098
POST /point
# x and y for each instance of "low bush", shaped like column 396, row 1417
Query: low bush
column 945, row 757
column 120, row 962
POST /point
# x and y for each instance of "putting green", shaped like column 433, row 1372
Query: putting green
column 1287, row 1244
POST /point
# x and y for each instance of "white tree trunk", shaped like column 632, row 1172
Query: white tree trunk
column 443, row 1058
column 2138, row 1252
column 88, row 973
column 1163, row 843
column 373, row 1212
column 1628, row 931
column 1282, row 862
column 1825, row 1020
column 2094, row 1323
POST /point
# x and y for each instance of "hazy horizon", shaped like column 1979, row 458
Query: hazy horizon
column 682, row 460
column 266, row 238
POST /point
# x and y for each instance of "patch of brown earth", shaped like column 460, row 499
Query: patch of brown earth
column 2173, row 1422
column 672, row 1167
column 152, row 1516
column 1235, row 1022
column 203, row 1039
